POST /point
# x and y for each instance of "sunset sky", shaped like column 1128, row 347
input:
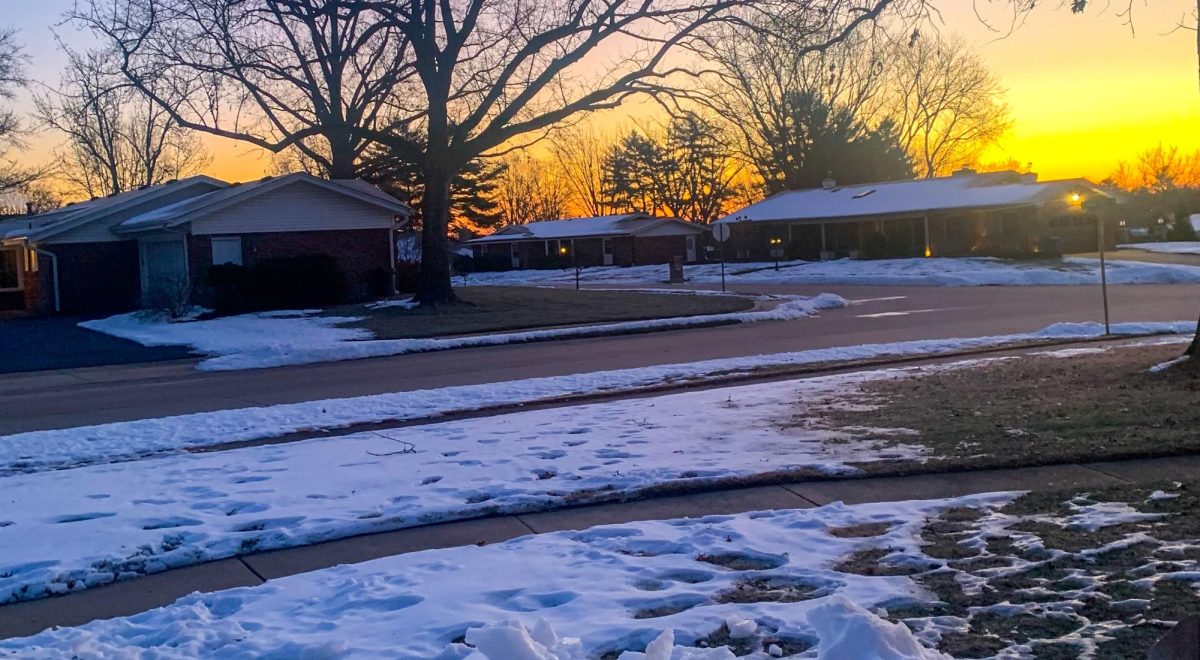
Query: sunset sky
column 1084, row 91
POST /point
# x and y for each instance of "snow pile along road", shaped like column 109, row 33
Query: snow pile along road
column 770, row 583
column 976, row 271
column 274, row 339
column 40, row 450
column 70, row 529
column 1176, row 247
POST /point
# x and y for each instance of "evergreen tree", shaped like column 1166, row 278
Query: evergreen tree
column 472, row 192
column 820, row 139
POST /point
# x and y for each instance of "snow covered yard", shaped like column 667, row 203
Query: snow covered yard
column 1176, row 247
column 72, row 447
column 1067, row 574
column 981, row 271
column 753, row 581
column 71, row 529
column 273, row 339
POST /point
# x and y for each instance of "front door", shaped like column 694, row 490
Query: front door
column 691, row 248
column 164, row 273
column 606, row 243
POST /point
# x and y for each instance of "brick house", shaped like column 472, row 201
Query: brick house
column 119, row 252
column 965, row 214
column 613, row 240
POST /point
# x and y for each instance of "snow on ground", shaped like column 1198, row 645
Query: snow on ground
column 70, row 529
column 41, row 450
column 262, row 331
column 770, row 578
column 273, row 339
column 1177, row 247
column 887, row 272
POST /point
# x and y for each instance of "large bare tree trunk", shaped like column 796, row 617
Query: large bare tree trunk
column 433, row 285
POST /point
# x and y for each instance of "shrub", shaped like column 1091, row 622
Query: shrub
column 484, row 263
column 550, row 262
column 379, row 282
column 406, row 277
column 285, row 283
column 170, row 297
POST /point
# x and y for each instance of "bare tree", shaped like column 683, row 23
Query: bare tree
column 684, row 170
column 496, row 73
column 311, row 75
column 579, row 152
column 762, row 74
column 526, row 190
column 947, row 104
column 1158, row 170
column 12, row 78
column 117, row 139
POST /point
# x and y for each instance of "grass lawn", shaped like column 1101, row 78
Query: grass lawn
column 496, row 309
column 1036, row 574
column 1034, row 410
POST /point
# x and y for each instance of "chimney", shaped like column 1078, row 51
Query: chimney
column 29, row 208
column 829, row 183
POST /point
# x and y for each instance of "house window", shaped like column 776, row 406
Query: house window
column 10, row 270
column 227, row 250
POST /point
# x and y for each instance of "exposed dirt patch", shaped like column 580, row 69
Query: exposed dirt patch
column 1049, row 565
column 860, row 531
column 770, row 589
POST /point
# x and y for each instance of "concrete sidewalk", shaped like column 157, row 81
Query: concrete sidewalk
column 145, row 593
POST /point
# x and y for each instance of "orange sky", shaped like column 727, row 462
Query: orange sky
column 1084, row 92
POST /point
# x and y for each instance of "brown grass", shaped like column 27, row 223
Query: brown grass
column 1038, row 410
column 497, row 309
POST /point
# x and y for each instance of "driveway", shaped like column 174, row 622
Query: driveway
column 37, row 344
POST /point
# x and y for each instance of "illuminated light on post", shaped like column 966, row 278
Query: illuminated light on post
column 928, row 251
column 776, row 244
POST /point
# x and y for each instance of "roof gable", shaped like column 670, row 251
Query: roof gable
column 190, row 209
column 52, row 223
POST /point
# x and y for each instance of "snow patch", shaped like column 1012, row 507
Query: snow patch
column 40, row 450
column 273, row 339
column 847, row 630
column 1176, row 247
column 971, row 271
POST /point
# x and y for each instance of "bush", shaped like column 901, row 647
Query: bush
column 550, row 262
column 1181, row 230
column 484, row 263
column 1006, row 247
column 170, row 297
column 379, row 282
column 406, row 277
column 286, row 283
column 876, row 246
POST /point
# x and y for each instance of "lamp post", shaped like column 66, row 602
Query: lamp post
column 1077, row 200
column 776, row 244
column 562, row 251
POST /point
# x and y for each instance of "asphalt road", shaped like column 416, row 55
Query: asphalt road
column 879, row 314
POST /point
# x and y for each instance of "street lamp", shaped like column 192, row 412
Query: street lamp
column 1078, row 200
column 562, row 251
column 776, row 244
